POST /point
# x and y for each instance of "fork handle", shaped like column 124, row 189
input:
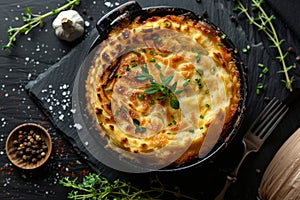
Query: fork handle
column 229, row 181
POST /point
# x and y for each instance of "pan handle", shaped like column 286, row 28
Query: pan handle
column 104, row 25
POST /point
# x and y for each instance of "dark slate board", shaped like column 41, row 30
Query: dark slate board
column 52, row 92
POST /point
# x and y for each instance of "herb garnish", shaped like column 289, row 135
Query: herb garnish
column 264, row 23
column 96, row 186
column 138, row 128
column 34, row 20
column 160, row 88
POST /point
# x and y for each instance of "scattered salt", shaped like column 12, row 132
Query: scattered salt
column 61, row 117
column 108, row 4
column 86, row 23
column 77, row 126
column 73, row 111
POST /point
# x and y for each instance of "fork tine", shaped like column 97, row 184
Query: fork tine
column 271, row 115
column 270, row 106
column 269, row 118
column 275, row 120
column 263, row 114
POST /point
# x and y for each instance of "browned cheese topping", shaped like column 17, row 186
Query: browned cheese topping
column 156, row 86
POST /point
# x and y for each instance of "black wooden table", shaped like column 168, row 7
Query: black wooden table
column 36, row 52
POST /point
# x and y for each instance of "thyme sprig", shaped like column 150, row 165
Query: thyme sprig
column 264, row 22
column 95, row 186
column 154, row 88
column 33, row 20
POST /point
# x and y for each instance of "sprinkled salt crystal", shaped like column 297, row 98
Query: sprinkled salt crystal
column 77, row 126
column 117, row 3
column 6, row 95
column 67, row 169
column 2, row 119
column 61, row 117
column 108, row 4
column 29, row 76
column 78, row 162
column 86, row 23
column 29, row 39
column 65, row 86
column 50, row 108
column 50, row 86
column 94, row 2
column 64, row 93
column 73, row 111
column 86, row 143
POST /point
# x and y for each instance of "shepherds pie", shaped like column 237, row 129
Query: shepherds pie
column 159, row 86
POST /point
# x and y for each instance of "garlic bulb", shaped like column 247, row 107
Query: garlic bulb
column 68, row 25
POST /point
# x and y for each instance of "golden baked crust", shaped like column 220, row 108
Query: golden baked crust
column 160, row 85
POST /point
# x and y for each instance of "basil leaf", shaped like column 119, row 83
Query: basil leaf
column 140, row 129
column 141, row 77
column 157, row 66
column 145, row 69
column 151, row 90
column 136, row 122
column 173, row 87
column 174, row 103
column 178, row 92
column 168, row 80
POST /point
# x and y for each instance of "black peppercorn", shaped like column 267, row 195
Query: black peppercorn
column 29, row 146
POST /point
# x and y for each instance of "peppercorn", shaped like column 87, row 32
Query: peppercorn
column 298, row 58
column 291, row 50
column 30, row 147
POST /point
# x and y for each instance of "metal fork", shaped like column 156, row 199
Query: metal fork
column 256, row 135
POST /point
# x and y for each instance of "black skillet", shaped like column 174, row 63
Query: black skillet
column 105, row 25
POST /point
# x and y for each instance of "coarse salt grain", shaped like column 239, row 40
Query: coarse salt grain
column 77, row 126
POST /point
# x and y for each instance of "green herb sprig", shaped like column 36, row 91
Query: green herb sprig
column 157, row 87
column 96, row 186
column 264, row 22
column 33, row 20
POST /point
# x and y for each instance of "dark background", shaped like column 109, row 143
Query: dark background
column 36, row 52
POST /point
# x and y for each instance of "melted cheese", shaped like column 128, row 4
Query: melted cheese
column 146, row 67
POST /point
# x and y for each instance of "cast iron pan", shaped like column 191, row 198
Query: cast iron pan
column 87, row 133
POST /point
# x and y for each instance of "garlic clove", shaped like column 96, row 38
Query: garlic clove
column 68, row 25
